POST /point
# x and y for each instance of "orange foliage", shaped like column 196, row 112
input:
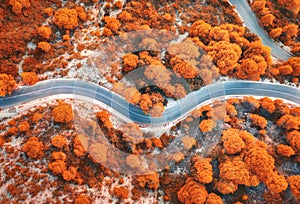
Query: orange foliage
column 157, row 73
column 294, row 139
column 44, row 32
column 157, row 142
column 233, row 29
column 69, row 174
column 267, row 104
column 285, row 150
column 29, row 78
column 230, row 109
column 178, row 157
column 292, row 5
column 103, row 116
column 130, row 61
column 132, row 95
column 200, row 29
column 226, row 187
column 294, row 62
column 7, row 84
column 59, row 156
column 296, row 48
column 184, row 50
column 107, row 32
column 253, row 101
column 46, row 47
column 284, row 108
column 189, row 142
column 57, row 167
column 112, row 23
column 289, row 122
column 62, row 113
column 121, row 192
column 80, row 145
column 257, row 48
column 12, row 130
column 82, row 199
column 232, row 142
column 241, row 41
column 219, row 34
column 267, row 20
column 258, row 121
column 81, row 13
column 247, row 137
column 236, row 171
column 199, row 112
column 285, row 69
column 294, row 182
column 125, row 16
column 290, row 30
column 157, row 110
column 259, row 161
column 152, row 104
column 17, row 5
column 214, row 199
column 207, row 125
column 2, row 141
column 186, row 69
column 276, row 183
column 66, row 18
column 149, row 180
column 24, row 126
column 36, row 117
column 145, row 103
column 58, row 141
column 202, row 170
column 295, row 111
column 192, row 192
column 251, row 68
column 206, row 75
column 49, row 11
column 260, row 7
column 225, row 55
column 33, row 148
column 276, row 32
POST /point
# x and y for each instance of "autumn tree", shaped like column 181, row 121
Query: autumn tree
column 184, row 57
column 225, row 55
column 291, row 67
column 251, row 68
column 200, row 29
column 292, row 5
column 290, row 30
column 219, row 34
column 257, row 48
column 7, row 84
column 236, row 35
column 294, row 62
column 267, row 20
column 275, row 33
column 260, row 7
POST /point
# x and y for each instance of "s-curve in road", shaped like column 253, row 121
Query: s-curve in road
column 251, row 22
column 93, row 93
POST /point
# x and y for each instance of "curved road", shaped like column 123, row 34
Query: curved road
column 172, row 114
column 180, row 108
column 251, row 22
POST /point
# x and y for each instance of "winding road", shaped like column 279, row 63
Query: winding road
column 251, row 22
column 96, row 94
column 173, row 113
